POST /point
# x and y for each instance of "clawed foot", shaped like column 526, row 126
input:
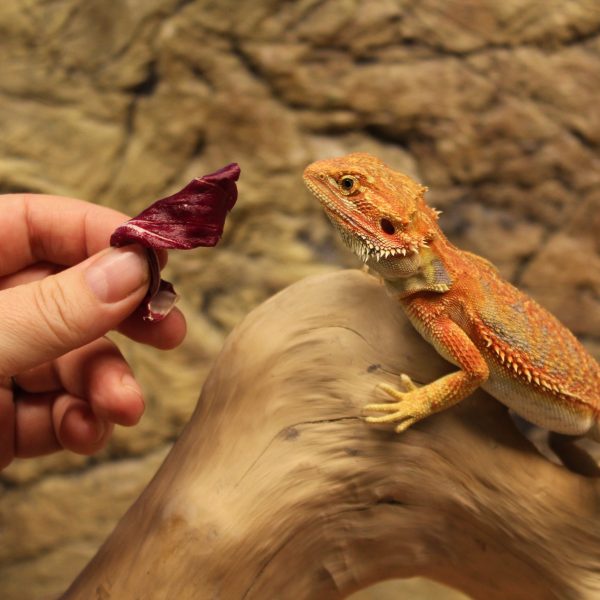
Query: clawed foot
column 410, row 406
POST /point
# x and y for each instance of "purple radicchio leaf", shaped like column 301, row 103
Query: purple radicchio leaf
column 192, row 217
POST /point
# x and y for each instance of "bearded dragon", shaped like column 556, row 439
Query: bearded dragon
column 499, row 338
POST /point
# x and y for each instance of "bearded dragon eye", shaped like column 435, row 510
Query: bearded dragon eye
column 348, row 184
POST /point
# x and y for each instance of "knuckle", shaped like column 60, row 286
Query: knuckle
column 55, row 312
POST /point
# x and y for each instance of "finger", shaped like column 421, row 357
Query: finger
column 43, row 269
column 46, row 423
column 29, row 274
column 40, row 379
column 99, row 374
column 54, row 229
column 165, row 334
column 76, row 427
column 45, row 319
column 7, row 424
column 34, row 429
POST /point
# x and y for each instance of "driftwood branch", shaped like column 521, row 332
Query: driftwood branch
column 277, row 489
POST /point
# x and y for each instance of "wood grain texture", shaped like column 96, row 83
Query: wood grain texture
column 277, row 489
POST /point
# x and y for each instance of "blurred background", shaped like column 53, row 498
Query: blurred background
column 492, row 104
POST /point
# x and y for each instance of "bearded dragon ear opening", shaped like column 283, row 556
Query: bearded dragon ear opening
column 387, row 226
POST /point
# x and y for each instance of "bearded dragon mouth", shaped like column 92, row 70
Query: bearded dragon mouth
column 363, row 246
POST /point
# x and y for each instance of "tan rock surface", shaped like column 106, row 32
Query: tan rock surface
column 492, row 104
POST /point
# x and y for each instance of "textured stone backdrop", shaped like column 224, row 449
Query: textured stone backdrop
column 492, row 104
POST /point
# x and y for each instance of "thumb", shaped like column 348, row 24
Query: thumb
column 47, row 318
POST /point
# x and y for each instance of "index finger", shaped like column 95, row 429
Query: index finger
column 54, row 229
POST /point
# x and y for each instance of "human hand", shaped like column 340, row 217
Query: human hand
column 62, row 384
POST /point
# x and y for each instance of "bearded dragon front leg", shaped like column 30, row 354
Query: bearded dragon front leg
column 416, row 403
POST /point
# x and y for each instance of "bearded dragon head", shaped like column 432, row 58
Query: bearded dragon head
column 381, row 214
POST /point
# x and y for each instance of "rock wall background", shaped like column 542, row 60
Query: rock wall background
column 492, row 104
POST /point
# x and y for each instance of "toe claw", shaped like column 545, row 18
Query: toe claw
column 407, row 382
column 385, row 387
column 382, row 419
column 404, row 425
column 391, row 392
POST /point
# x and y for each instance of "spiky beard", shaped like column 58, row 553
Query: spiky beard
column 365, row 249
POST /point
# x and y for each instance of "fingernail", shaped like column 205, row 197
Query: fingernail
column 128, row 381
column 135, row 405
column 96, row 427
column 100, row 428
column 117, row 274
